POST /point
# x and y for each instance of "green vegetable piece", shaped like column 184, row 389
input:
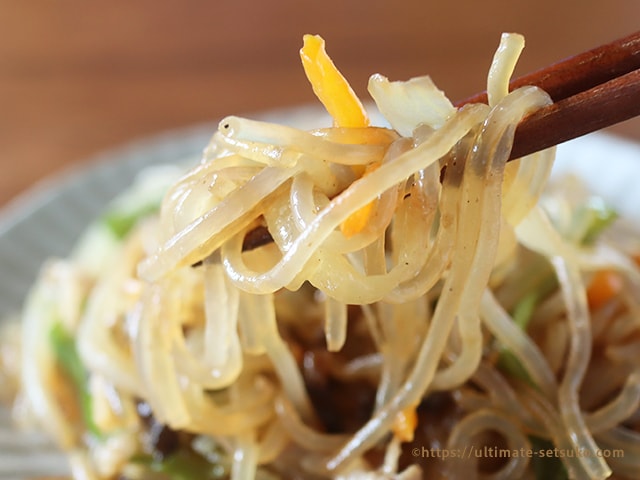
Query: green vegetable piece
column 121, row 221
column 66, row 354
column 547, row 467
column 595, row 217
column 507, row 361
column 521, row 314
column 524, row 309
column 185, row 464
column 509, row 364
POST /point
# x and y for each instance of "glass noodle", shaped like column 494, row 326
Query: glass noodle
column 410, row 246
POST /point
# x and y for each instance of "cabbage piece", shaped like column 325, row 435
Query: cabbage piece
column 407, row 104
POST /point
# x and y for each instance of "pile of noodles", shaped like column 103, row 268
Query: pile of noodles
column 420, row 228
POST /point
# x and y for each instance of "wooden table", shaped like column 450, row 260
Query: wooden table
column 84, row 77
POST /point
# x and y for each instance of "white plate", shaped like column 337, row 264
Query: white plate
column 47, row 220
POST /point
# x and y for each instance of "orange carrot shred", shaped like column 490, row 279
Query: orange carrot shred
column 357, row 221
column 604, row 286
column 405, row 424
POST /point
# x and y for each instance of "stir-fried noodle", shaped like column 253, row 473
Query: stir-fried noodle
column 409, row 299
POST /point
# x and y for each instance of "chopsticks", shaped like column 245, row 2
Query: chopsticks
column 591, row 91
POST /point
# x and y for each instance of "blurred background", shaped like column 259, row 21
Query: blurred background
column 78, row 77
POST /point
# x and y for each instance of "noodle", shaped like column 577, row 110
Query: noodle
column 335, row 324
column 578, row 317
column 431, row 350
column 334, row 303
column 484, row 420
column 245, row 458
column 505, row 331
column 301, row 433
column 619, row 409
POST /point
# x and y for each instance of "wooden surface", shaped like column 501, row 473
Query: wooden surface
column 78, row 77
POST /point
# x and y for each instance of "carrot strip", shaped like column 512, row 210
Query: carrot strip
column 331, row 88
column 357, row 221
column 604, row 286
column 405, row 424
column 337, row 96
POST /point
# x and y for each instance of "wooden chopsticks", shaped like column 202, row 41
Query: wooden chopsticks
column 591, row 91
